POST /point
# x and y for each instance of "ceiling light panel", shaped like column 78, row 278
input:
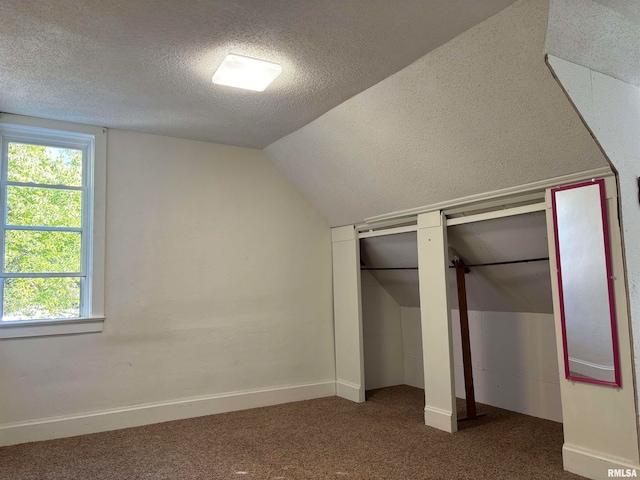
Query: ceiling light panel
column 246, row 72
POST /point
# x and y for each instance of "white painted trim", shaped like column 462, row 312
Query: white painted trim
column 592, row 464
column 350, row 391
column 343, row 234
column 360, row 227
column 45, row 328
column 388, row 231
column 440, row 419
column 534, row 197
column 68, row 426
column 510, row 195
column 507, row 212
column 97, row 137
column 435, row 320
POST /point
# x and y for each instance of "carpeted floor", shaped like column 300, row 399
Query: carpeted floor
column 328, row 438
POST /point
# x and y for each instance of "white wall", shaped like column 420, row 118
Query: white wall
column 515, row 365
column 611, row 109
column 382, row 336
column 218, row 280
column 412, row 346
column 600, row 422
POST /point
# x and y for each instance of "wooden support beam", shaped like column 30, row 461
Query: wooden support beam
column 466, row 341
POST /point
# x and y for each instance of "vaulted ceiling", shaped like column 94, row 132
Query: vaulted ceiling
column 478, row 114
column 146, row 65
column 382, row 106
column 603, row 35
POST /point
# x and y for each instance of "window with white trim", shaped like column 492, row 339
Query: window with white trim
column 47, row 236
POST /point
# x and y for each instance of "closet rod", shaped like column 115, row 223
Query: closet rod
column 389, row 268
column 512, row 262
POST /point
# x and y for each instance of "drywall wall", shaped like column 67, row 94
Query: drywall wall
column 412, row 346
column 382, row 336
column 218, row 280
column 585, row 57
column 515, row 365
column 478, row 114
column 611, row 109
column 600, row 422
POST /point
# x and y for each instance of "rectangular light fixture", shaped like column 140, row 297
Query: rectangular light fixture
column 246, row 72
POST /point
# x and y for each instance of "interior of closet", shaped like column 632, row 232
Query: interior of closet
column 509, row 309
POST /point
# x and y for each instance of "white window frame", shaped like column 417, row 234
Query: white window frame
column 93, row 141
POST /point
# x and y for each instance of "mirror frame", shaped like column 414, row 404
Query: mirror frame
column 612, row 309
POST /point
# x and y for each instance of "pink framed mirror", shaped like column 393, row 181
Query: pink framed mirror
column 585, row 283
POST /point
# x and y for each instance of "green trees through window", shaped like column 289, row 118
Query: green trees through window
column 42, row 258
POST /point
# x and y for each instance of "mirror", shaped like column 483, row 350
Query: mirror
column 585, row 283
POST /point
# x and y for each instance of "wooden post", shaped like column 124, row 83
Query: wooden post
column 466, row 341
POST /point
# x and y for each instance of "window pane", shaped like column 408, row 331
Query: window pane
column 28, row 251
column 36, row 298
column 47, row 165
column 44, row 207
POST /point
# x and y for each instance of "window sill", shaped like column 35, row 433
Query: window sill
column 46, row 328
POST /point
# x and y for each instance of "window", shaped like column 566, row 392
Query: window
column 49, row 263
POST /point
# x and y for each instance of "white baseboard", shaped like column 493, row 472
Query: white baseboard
column 440, row 419
column 595, row 465
column 592, row 370
column 350, row 391
column 69, row 426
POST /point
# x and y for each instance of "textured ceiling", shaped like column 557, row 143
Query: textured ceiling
column 519, row 287
column 147, row 65
column 628, row 8
column 602, row 35
column 480, row 113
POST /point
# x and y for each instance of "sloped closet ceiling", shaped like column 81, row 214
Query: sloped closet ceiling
column 478, row 114
column 515, row 287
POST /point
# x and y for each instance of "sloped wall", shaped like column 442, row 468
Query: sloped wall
column 478, row 114
column 611, row 109
column 594, row 51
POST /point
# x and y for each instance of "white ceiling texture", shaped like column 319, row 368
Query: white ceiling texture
column 603, row 35
column 146, row 65
column 512, row 287
column 478, row 114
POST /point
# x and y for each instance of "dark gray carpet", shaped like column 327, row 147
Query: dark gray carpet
column 328, row 438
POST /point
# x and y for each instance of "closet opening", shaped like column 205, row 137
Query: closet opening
column 504, row 265
column 391, row 329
